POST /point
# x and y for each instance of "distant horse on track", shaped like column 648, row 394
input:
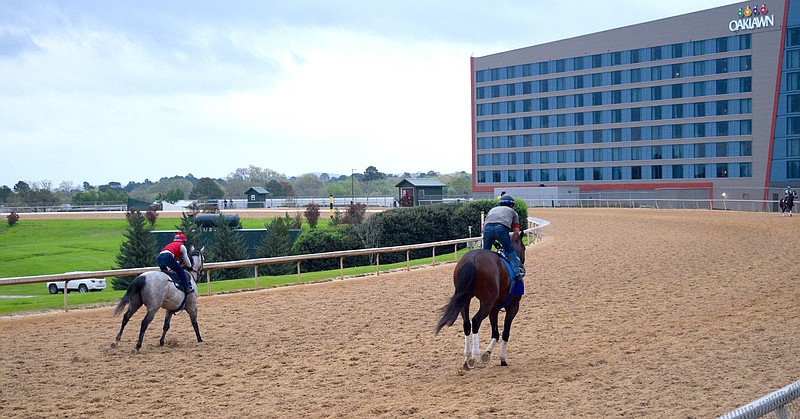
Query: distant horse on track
column 154, row 290
column 484, row 275
column 787, row 203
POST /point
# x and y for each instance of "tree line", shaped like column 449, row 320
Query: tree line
column 370, row 182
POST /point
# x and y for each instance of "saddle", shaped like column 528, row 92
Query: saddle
column 175, row 279
column 517, row 283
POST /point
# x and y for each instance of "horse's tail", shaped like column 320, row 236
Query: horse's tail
column 465, row 284
column 135, row 288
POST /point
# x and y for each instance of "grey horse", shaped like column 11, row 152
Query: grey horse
column 154, row 290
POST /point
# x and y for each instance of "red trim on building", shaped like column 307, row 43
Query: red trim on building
column 775, row 104
column 474, row 130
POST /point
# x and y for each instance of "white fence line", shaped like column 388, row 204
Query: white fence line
column 531, row 232
column 773, row 402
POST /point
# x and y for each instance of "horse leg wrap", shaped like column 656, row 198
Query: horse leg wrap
column 467, row 347
column 476, row 346
column 503, row 347
column 490, row 348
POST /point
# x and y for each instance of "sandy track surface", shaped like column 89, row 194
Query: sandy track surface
column 644, row 313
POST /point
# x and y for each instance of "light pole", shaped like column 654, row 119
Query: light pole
column 352, row 186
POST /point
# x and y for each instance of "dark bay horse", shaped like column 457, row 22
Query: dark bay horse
column 787, row 203
column 154, row 290
column 483, row 275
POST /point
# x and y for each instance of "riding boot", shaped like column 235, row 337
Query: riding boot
column 187, row 286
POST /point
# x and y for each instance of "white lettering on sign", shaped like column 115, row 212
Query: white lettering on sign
column 752, row 23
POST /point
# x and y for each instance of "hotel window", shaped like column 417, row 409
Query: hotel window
column 700, row 109
column 636, row 153
column 677, row 50
column 656, row 152
column 655, row 172
column 745, row 42
column 722, row 107
column 636, row 133
column 677, row 131
column 745, row 84
column 561, row 65
column 616, row 58
column 527, row 175
column 579, row 119
column 597, row 136
column 616, row 77
column 481, row 177
column 616, row 173
column 496, row 176
column 579, row 137
column 578, row 82
column 677, row 171
column 793, row 125
column 616, row 115
column 561, row 156
column 745, row 63
column 722, row 169
column 698, row 48
column 657, row 115
column 699, row 88
column 616, row 154
column 745, row 170
column 722, row 44
column 597, row 117
column 544, row 175
column 745, row 127
column 699, row 130
column 635, row 56
column 793, row 37
column 722, row 87
column 746, row 106
column 677, row 151
column 699, row 68
column 793, row 169
column 636, row 114
column 577, row 62
column 793, row 59
column 746, row 148
column 597, row 154
column 676, row 71
column 636, row 95
column 562, row 174
column 655, row 73
column 597, row 79
column 597, row 173
column 636, row 172
column 793, row 147
column 597, row 61
column 677, row 91
column 544, row 68
column 616, row 135
column 677, row 111
column 793, row 103
column 636, row 75
column 579, row 173
column 655, row 53
column 616, row 96
column 722, row 149
column 722, row 65
column 792, row 81
column 722, row 129
column 700, row 150
column 699, row 171
column 655, row 93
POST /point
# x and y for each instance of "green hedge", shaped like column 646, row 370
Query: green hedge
column 399, row 227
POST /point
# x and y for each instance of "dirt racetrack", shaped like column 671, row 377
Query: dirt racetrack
column 638, row 313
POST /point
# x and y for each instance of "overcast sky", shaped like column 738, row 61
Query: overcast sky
column 111, row 91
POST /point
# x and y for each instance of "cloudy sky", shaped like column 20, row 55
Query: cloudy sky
column 112, row 91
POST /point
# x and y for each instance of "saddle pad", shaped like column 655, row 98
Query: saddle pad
column 519, row 285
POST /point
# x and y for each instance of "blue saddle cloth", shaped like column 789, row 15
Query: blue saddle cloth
column 175, row 280
column 519, row 284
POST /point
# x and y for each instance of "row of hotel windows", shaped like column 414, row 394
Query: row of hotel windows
column 614, row 116
column 613, row 97
column 655, row 152
column 662, row 52
column 573, row 174
column 636, row 75
column 612, row 135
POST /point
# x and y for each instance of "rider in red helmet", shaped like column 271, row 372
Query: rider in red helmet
column 173, row 256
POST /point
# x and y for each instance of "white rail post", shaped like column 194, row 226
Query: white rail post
column 377, row 264
column 256, row 272
column 208, row 282
column 408, row 260
column 298, row 271
column 341, row 267
column 66, row 283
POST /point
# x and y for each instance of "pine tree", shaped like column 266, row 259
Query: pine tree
column 189, row 228
column 227, row 246
column 276, row 242
column 138, row 249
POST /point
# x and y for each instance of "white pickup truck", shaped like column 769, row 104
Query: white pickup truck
column 80, row 285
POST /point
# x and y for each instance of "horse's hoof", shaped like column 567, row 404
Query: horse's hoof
column 503, row 364
column 486, row 357
column 471, row 363
column 114, row 345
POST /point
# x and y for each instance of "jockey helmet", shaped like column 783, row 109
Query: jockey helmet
column 179, row 237
column 506, row 200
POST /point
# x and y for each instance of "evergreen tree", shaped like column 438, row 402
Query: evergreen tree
column 227, row 246
column 189, row 228
column 276, row 242
column 138, row 249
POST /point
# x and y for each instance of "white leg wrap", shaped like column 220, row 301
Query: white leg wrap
column 503, row 347
column 490, row 348
column 467, row 347
column 476, row 345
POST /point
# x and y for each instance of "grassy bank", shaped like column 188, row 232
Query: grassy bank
column 41, row 247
